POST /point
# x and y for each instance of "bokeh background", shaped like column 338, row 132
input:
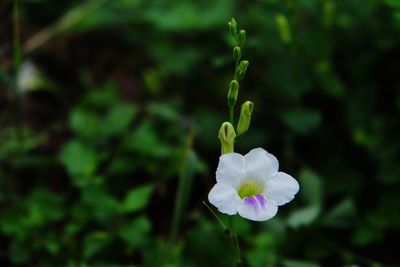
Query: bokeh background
column 112, row 110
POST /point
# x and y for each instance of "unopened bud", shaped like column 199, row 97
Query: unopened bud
column 241, row 69
column 232, row 27
column 237, row 53
column 233, row 93
column 227, row 137
column 242, row 37
column 245, row 117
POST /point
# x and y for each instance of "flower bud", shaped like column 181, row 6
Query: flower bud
column 237, row 53
column 233, row 93
column 245, row 117
column 227, row 137
column 241, row 69
column 232, row 27
column 242, row 37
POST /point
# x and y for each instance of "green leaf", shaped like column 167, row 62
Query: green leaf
column 94, row 243
column 44, row 206
column 89, row 125
column 189, row 16
column 137, row 198
column 118, row 119
column 84, row 123
column 261, row 257
column 79, row 159
column 102, row 204
column 302, row 121
column 310, row 187
column 304, row 216
column 144, row 140
column 165, row 111
column 341, row 215
column 299, row 263
column 135, row 232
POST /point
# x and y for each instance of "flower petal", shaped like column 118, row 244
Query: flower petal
column 225, row 198
column 231, row 169
column 260, row 164
column 257, row 208
column 281, row 189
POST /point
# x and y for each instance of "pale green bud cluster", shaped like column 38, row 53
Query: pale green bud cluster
column 227, row 134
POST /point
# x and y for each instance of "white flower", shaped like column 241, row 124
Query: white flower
column 251, row 185
column 28, row 77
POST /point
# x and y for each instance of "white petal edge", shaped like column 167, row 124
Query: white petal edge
column 281, row 189
column 260, row 164
column 231, row 169
column 224, row 198
column 260, row 214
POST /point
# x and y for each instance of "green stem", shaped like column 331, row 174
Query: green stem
column 237, row 248
column 230, row 234
column 215, row 215
column 184, row 186
column 232, row 115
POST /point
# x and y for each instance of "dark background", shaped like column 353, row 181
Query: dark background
column 114, row 109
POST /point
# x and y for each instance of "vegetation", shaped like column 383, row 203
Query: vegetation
column 109, row 109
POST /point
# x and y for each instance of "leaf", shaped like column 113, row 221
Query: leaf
column 94, row 243
column 118, row 119
column 104, row 97
column 137, row 198
column 299, row 263
column 302, row 121
column 84, row 123
column 101, row 203
column 44, row 206
column 304, row 216
column 78, row 159
column 189, row 16
column 310, row 187
column 164, row 110
column 93, row 126
column 135, row 232
column 145, row 141
column 341, row 215
column 261, row 257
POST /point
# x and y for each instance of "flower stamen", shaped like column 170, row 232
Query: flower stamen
column 250, row 189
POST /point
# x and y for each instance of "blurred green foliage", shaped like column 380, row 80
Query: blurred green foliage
column 120, row 108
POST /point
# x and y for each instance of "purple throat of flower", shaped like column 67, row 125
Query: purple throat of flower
column 256, row 202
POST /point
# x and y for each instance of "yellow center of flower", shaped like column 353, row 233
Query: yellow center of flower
column 250, row 188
